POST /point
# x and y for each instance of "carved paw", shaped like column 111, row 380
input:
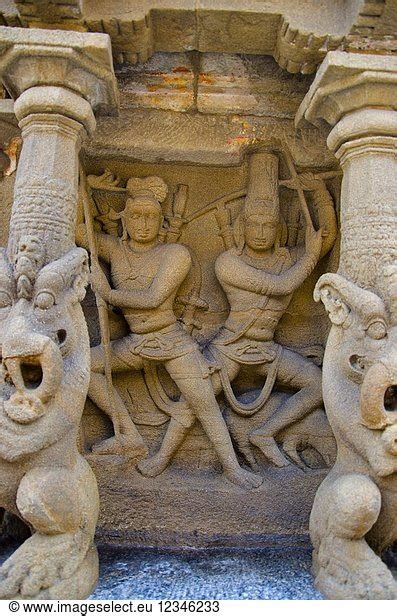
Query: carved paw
column 24, row 409
column 269, row 449
column 40, row 563
column 351, row 570
column 153, row 466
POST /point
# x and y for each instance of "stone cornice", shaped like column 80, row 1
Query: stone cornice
column 298, row 37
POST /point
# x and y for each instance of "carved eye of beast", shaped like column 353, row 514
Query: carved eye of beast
column 44, row 300
column 377, row 330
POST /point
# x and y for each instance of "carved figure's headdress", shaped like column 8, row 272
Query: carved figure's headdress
column 262, row 195
column 152, row 189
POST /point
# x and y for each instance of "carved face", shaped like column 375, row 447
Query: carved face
column 260, row 232
column 38, row 332
column 143, row 221
column 360, row 371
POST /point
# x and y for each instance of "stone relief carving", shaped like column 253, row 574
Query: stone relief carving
column 146, row 275
column 44, row 379
column 354, row 514
column 150, row 276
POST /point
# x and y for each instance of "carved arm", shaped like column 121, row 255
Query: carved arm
column 105, row 243
column 173, row 270
column 324, row 206
column 326, row 216
column 232, row 270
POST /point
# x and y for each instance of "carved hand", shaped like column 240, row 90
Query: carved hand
column 309, row 181
column 99, row 282
column 314, row 240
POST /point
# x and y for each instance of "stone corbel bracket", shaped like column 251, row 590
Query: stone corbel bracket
column 81, row 63
column 301, row 52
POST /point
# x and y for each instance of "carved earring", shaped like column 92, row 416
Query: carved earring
column 282, row 234
column 239, row 235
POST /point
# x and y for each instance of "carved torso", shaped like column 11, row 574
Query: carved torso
column 131, row 271
column 247, row 305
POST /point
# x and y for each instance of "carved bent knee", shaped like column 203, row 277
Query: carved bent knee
column 50, row 500
column 356, row 503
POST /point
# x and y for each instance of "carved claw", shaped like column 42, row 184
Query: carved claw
column 122, row 445
column 40, row 563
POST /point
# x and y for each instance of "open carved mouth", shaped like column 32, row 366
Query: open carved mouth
column 390, row 398
column 25, row 373
column 32, row 373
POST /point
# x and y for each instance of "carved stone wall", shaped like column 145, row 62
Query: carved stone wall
column 218, row 208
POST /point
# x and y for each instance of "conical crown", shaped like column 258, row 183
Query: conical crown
column 262, row 195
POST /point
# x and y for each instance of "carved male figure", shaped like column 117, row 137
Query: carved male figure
column 354, row 513
column 146, row 275
column 259, row 277
column 43, row 385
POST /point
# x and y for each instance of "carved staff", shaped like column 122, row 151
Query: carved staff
column 178, row 210
column 297, row 185
column 100, row 302
column 216, row 204
column 321, row 175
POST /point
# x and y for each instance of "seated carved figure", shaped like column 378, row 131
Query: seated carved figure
column 354, row 513
column 43, row 384
column 146, row 275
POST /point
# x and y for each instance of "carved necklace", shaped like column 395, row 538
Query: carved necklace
column 277, row 260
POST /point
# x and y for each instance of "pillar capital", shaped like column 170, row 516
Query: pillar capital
column 354, row 93
column 357, row 95
column 79, row 62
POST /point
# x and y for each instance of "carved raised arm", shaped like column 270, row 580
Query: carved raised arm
column 325, row 209
column 233, row 271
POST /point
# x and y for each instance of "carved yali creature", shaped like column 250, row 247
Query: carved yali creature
column 146, row 275
column 354, row 513
column 43, row 385
column 259, row 276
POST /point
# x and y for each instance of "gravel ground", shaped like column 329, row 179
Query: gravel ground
column 270, row 573
column 267, row 573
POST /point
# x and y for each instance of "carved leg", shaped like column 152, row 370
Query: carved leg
column 173, row 439
column 199, row 394
column 344, row 564
column 59, row 560
column 299, row 373
column 126, row 439
column 176, row 434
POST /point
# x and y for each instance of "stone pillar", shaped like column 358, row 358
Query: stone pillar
column 357, row 95
column 53, row 119
column 58, row 80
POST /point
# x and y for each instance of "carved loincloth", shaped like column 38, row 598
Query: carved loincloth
column 156, row 348
column 246, row 352
column 168, row 343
